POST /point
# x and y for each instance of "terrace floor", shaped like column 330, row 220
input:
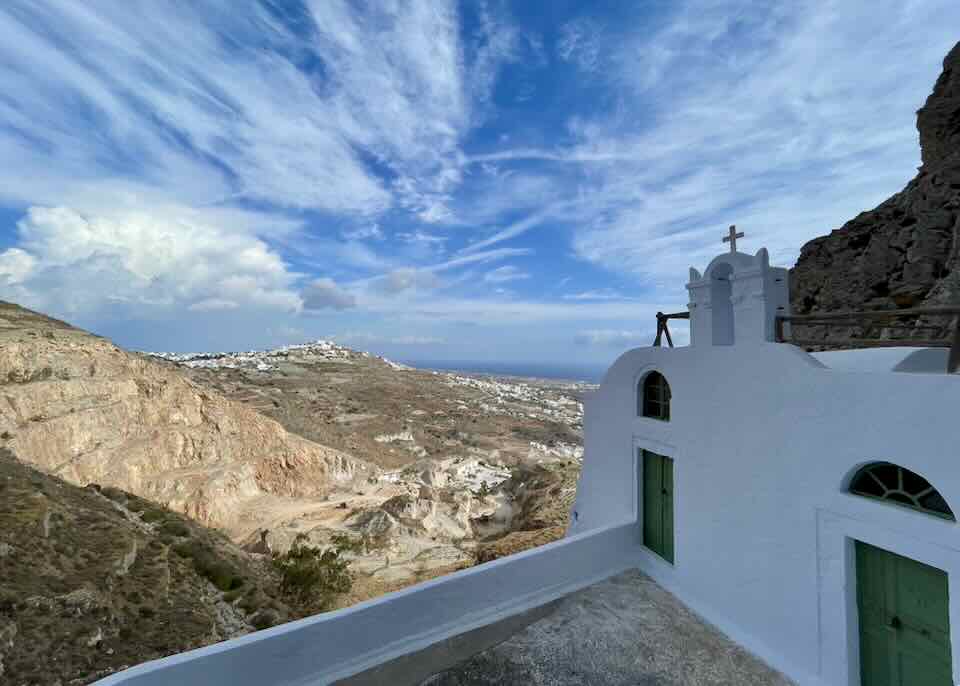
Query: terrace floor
column 624, row 631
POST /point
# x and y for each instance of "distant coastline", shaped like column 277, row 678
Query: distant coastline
column 531, row 370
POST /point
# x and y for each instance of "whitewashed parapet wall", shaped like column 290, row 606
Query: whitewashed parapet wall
column 332, row 646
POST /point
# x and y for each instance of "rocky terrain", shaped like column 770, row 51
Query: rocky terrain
column 77, row 406
column 905, row 252
column 428, row 471
column 93, row 580
column 470, row 467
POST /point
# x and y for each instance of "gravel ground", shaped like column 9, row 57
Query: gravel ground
column 624, row 631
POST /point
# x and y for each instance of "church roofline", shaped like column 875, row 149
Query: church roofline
column 740, row 262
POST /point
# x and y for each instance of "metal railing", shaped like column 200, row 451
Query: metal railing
column 868, row 317
column 662, row 326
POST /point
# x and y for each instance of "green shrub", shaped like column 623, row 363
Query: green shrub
column 312, row 575
column 252, row 599
column 264, row 619
column 115, row 494
column 345, row 543
column 172, row 527
column 230, row 596
column 209, row 565
column 154, row 515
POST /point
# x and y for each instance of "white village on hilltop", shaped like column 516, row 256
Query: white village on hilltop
column 802, row 503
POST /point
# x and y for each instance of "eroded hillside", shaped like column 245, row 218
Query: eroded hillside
column 93, row 580
column 428, row 472
column 472, row 468
column 77, row 406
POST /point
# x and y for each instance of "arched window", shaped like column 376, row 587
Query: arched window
column 886, row 481
column 653, row 397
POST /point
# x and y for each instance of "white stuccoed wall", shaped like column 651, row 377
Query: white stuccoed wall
column 764, row 440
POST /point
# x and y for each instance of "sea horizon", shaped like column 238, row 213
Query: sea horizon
column 558, row 371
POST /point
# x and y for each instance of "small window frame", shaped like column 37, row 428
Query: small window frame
column 653, row 397
column 875, row 481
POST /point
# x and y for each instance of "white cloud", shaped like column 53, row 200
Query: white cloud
column 365, row 339
column 406, row 279
column 287, row 333
column 786, row 119
column 365, row 232
column 579, row 43
column 480, row 258
column 497, row 311
column 417, row 340
column 136, row 134
column 612, row 338
column 212, row 304
column 420, row 237
column 16, row 265
column 512, row 231
column 505, row 274
column 324, row 293
column 148, row 72
column 600, row 294
column 79, row 262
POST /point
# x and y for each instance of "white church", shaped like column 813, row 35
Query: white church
column 801, row 503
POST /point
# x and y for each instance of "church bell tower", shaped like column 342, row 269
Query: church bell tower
column 736, row 300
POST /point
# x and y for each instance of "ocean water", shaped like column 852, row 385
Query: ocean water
column 537, row 370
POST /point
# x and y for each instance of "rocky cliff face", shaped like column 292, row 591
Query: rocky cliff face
column 76, row 406
column 905, row 252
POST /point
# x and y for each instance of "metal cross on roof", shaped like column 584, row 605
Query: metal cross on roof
column 732, row 237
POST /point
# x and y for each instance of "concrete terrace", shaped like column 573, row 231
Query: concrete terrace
column 625, row 630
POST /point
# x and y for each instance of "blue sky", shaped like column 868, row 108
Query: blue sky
column 432, row 180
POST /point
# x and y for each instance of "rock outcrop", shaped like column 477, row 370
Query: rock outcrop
column 905, row 252
column 76, row 406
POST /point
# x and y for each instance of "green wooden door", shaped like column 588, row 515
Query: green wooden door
column 657, row 489
column 904, row 621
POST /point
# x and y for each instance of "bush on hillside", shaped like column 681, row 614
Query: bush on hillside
column 312, row 575
column 174, row 528
column 209, row 565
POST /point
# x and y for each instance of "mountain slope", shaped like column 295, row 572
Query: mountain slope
column 77, row 406
column 191, row 432
column 906, row 251
column 93, row 580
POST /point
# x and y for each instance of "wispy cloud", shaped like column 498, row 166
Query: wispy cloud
column 601, row 294
column 132, row 115
column 361, row 339
column 368, row 163
column 324, row 293
column 580, row 43
column 612, row 338
column 786, row 119
column 505, row 274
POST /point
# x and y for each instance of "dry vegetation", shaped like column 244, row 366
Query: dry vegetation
column 94, row 579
